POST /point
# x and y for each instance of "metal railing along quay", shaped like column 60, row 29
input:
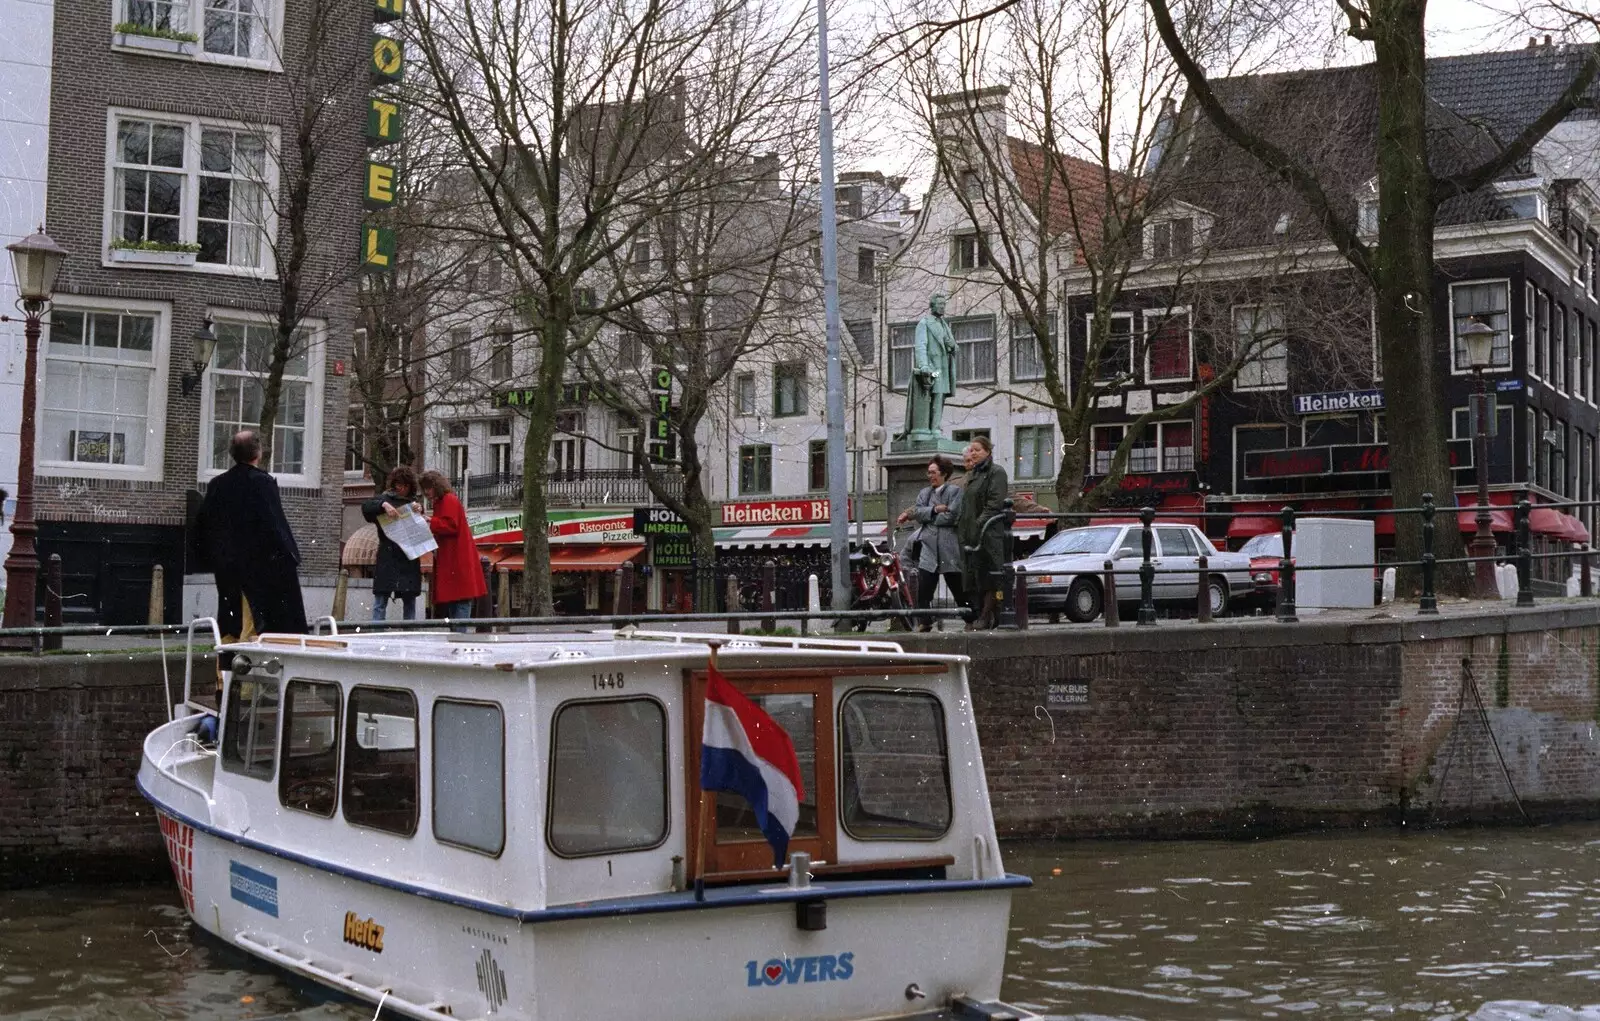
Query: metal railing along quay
column 1013, row 582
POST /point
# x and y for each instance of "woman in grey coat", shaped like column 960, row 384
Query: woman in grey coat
column 940, row 553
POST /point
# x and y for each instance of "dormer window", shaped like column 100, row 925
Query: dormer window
column 1526, row 199
column 1172, row 237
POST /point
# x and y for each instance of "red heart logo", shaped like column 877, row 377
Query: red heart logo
column 773, row 971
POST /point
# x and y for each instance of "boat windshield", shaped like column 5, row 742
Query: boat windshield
column 1095, row 539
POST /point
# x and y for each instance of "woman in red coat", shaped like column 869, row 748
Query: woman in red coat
column 457, row 578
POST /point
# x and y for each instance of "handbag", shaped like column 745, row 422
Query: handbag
column 913, row 550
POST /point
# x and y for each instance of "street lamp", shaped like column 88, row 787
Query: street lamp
column 205, row 342
column 1479, row 341
column 35, row 260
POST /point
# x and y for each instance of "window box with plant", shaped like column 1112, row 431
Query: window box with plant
column 154, row 37
column 154, row 253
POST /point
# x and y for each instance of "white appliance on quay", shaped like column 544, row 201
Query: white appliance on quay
column 511, row 826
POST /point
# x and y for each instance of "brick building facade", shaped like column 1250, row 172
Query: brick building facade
column 175, row 138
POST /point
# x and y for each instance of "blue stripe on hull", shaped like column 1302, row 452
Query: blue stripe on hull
column 648, row 904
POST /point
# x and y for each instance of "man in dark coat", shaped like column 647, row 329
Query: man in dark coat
column 982, row 497
column 394, row 573
column 251, row 549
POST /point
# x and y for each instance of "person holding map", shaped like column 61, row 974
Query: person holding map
column 394, row 574
column 457, row 578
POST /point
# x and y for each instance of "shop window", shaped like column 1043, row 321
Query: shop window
column 894, row 766
column 309, row 769
column 1327, row 430
column 608, row 777
column 380, row 760
column 469, row 775
column 250, row 727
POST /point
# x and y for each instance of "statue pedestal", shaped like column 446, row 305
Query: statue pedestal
column 906, row 465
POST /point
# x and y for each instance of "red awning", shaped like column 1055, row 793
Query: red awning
column 1547, row 521
column 594, row 558
column 1177, row 503
column 1383, row 524
column 1576, row 532
column 1311, row 507
column 1467, row 516
column 1245, row 528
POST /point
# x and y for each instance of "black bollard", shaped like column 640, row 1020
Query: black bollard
column 1524, row 554
column 1203, row 607
column 1019, row 599
column 1109, row 604
column 627, row 588
column 1147, row 570
column 769, row 593
column 1429, row 603
column 52, row 600
column 1286, row 607
column 1585, row 580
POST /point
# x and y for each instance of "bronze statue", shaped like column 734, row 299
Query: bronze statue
column 933, row 373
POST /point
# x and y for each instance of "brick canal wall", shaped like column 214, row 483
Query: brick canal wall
column 71, row 730
column 1241, row 727
column 1255, row 726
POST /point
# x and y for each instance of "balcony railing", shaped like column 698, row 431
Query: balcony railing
column 581, row 487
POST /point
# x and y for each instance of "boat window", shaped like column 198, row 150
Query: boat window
column 894, row 768
column 469, row 765
column 380, row 759
column 250, row 727
column 608, row 777
column 309, row 770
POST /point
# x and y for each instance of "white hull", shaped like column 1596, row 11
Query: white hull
column 360, row 917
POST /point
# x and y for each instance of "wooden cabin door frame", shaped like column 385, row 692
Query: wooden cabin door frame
column 746, row 854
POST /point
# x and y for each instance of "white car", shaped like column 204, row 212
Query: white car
column 1067, row 573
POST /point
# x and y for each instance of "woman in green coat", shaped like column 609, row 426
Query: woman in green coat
column 982, row 497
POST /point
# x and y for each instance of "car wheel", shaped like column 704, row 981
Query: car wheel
column 1217, row 594
column 1084, row 600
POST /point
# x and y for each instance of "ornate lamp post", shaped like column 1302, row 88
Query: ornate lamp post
column 36, row 260
column 1479, row 341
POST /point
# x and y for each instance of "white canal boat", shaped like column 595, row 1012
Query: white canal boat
column 511, row 826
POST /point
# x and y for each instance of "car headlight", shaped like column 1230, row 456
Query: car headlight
column 1262, row 576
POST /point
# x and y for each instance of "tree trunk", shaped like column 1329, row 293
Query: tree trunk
column 535, row 470
column 1403, row 272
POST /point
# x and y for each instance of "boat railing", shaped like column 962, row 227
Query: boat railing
column 333, row 625
column 188, row 669
column 764, row 641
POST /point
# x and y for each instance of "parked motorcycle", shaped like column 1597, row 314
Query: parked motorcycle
column 877, row 583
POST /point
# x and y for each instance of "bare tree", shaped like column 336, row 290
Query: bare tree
column 1059, row 180
column 583, row 126
column 1414, row 177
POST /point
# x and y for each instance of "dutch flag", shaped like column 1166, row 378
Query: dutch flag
column 745, row 752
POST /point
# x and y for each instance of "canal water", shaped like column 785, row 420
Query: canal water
column 1492, row 925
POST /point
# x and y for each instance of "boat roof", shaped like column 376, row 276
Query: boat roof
column 519, row 651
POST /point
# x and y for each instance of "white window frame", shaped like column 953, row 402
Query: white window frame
column 973, row 345
column 740, row 408
column 1161, row 445
column 1511, row 346
column 1094, row 446
column 193, row 14
column 189, row 210
column 1157, row 316
column 982, row 256
column 1283, row 343
column 1530, row 299
column 1088, row 333
column 156, row 420
column 310, row 477
column 1028, row 336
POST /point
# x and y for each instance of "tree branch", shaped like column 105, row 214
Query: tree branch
column 1339, row 229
